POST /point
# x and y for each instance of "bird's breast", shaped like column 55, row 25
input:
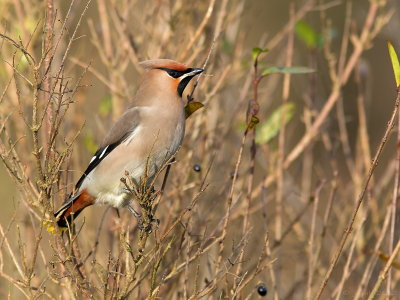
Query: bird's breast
column 169, row 136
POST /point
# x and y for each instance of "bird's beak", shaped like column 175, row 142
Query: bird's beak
column 194, row 72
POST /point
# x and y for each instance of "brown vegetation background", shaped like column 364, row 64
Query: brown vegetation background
column 303, row 203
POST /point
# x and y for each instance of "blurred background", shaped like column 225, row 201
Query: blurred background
column 268, row 206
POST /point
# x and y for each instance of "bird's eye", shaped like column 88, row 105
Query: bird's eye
column 174, row 73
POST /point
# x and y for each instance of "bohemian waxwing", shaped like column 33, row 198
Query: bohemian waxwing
column 148, row 134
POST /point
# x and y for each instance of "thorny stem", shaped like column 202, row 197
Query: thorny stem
column 48, row 43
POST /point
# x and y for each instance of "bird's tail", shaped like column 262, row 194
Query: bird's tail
column 73, row 207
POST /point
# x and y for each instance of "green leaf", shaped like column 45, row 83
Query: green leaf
column 395, row 63
column 270, row 128
column 286, row 70
column 308, row 35
column 192, row 107
column 257, row 51
column 105, row 106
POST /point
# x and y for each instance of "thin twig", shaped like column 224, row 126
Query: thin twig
column 349, row 227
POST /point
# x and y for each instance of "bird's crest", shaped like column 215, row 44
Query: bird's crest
column 162, row 63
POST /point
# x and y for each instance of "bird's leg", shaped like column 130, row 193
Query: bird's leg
column 146, row 223
column 137, row 215
column 126, row 191
column 134, row 212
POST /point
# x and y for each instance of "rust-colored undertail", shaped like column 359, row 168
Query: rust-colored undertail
column 73, row 207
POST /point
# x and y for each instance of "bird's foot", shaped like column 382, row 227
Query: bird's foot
column 126, row 191
column 149, row 227
column 154, row 196
column 137, row 215
column 134, row 212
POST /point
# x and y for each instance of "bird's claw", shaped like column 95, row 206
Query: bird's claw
column 134, row 212
column 140, row 224
column 137, row 215
column 148, row 228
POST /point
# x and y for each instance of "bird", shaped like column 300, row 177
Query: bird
column 145, row 137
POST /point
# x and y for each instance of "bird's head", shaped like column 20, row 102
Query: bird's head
column 171, row 73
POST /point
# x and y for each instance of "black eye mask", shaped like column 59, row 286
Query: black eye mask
column 175, row 73
column 185, row 80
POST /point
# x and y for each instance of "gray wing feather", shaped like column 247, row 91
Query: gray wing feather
column 121, row 129
column 117, row 134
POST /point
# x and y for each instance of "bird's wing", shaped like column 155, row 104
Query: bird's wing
column 119, row 132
